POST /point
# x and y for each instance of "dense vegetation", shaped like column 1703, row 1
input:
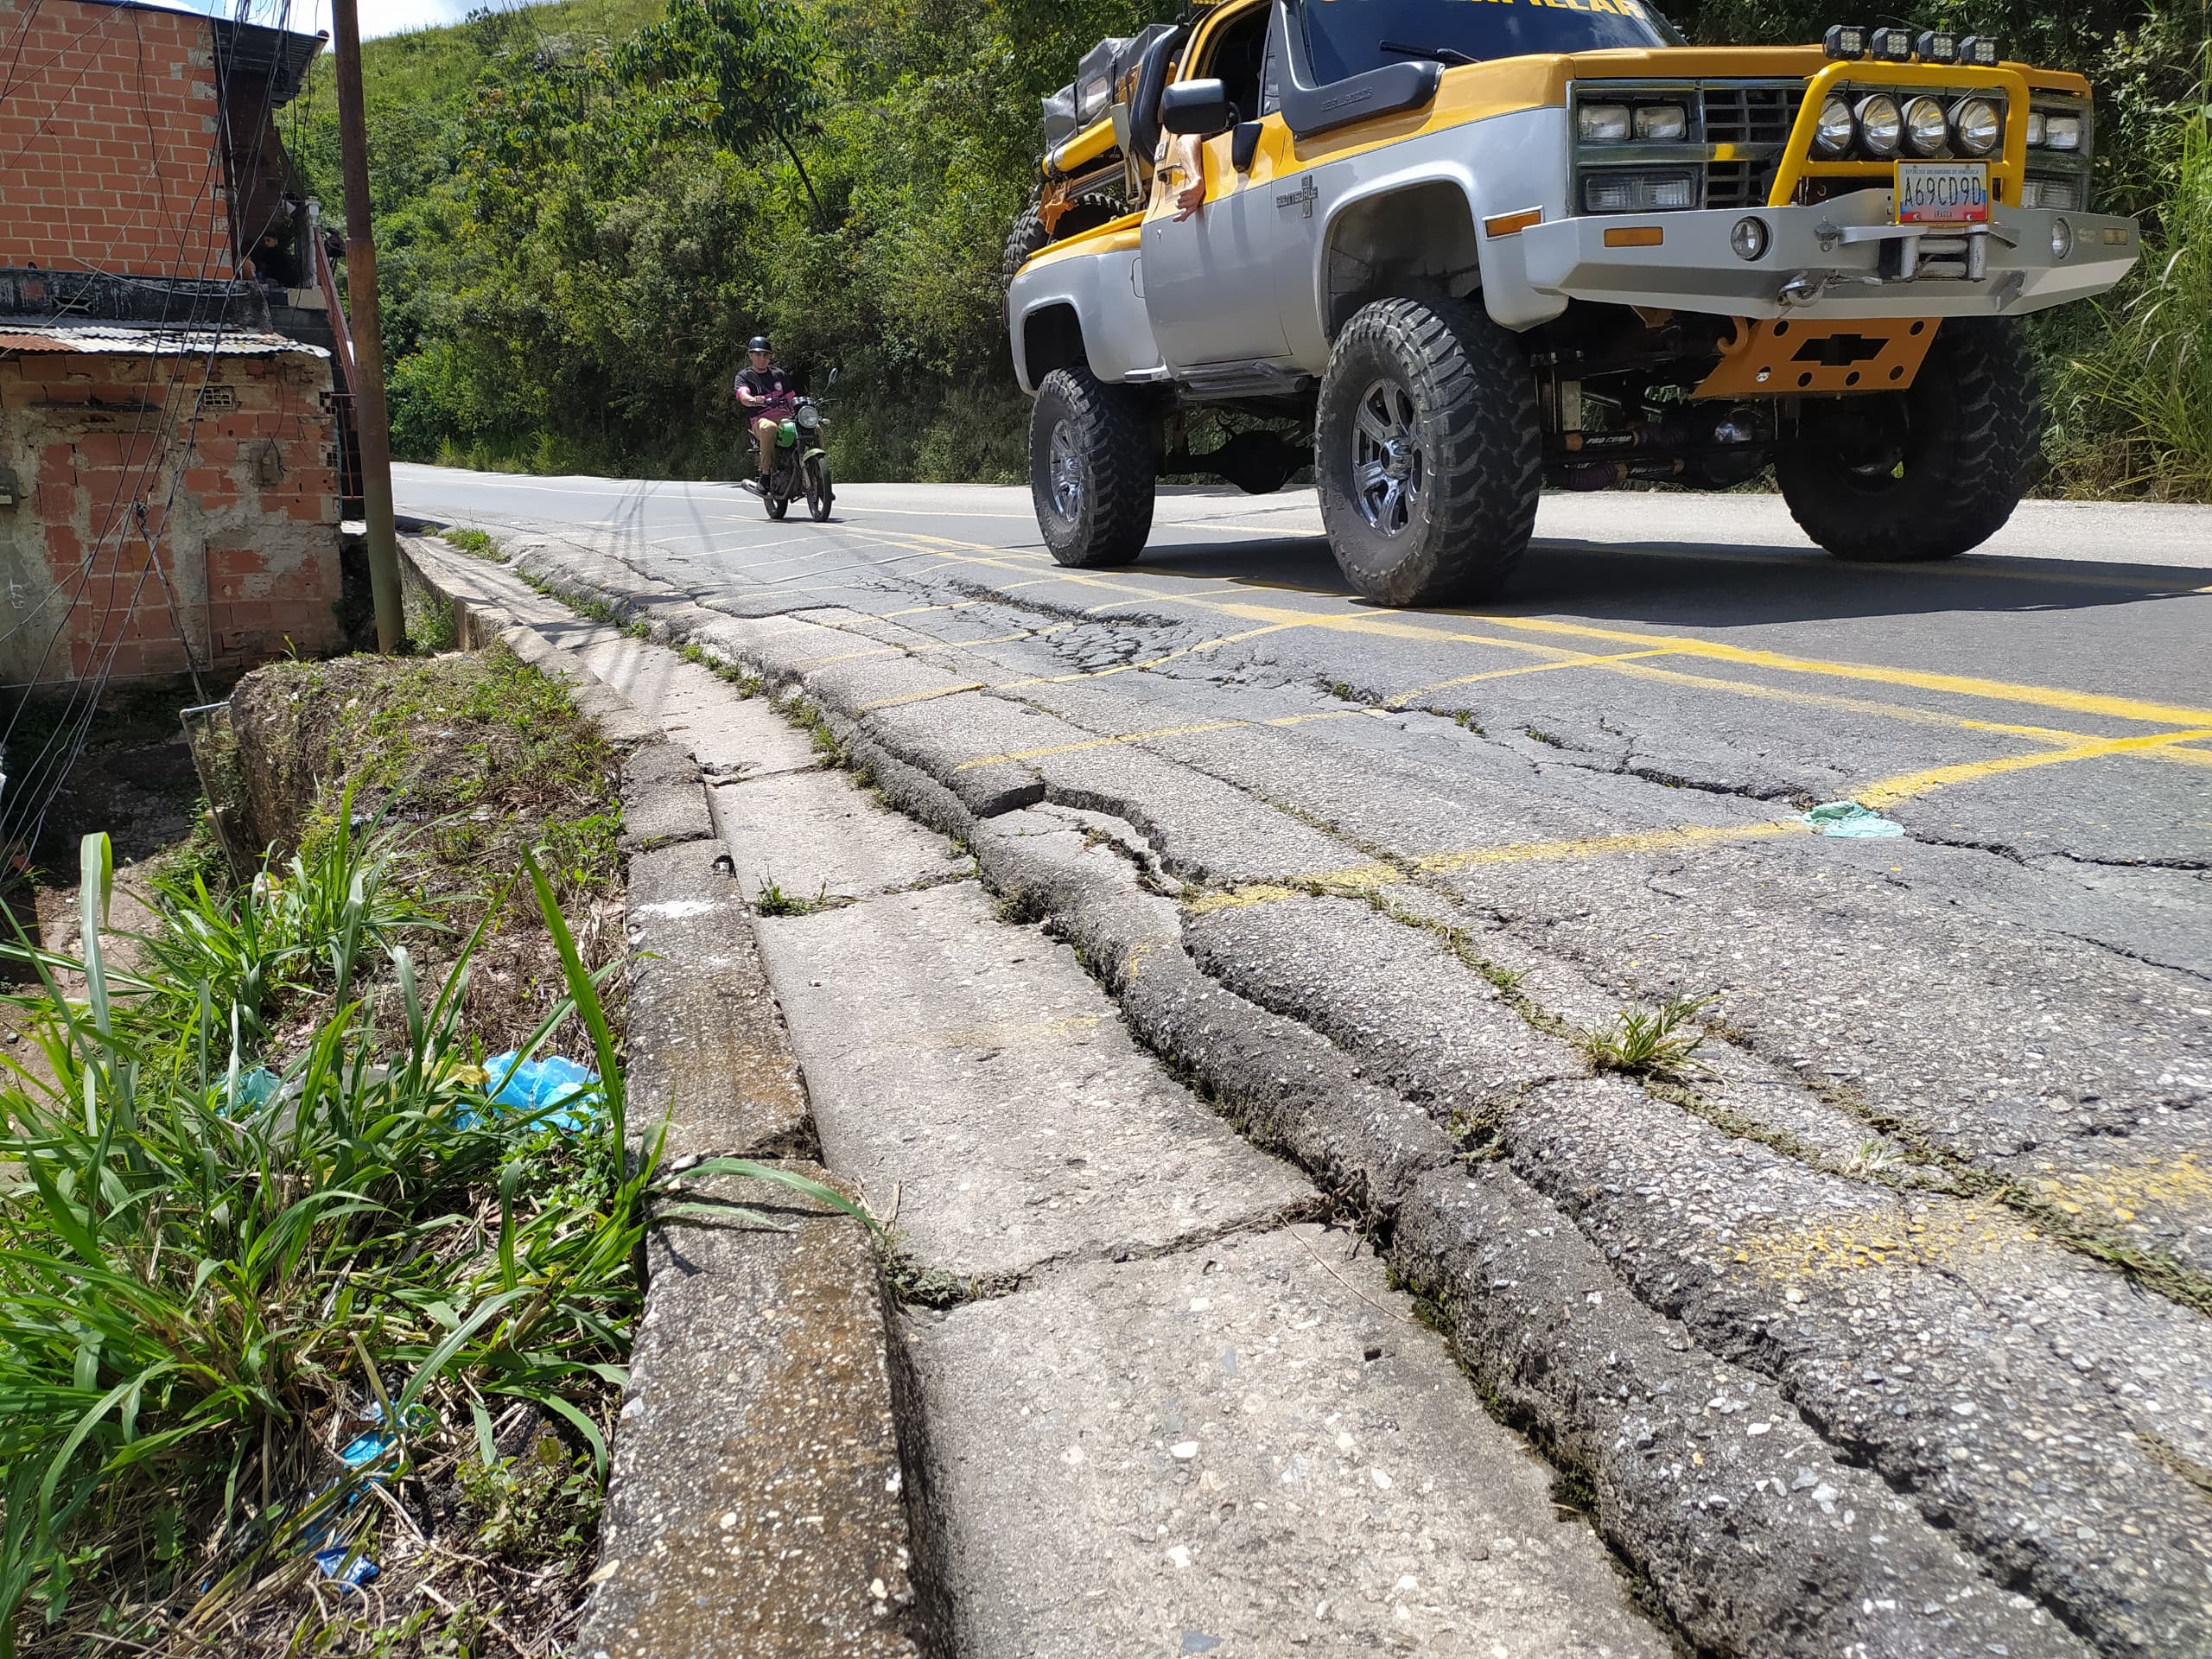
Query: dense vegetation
column 586, row 206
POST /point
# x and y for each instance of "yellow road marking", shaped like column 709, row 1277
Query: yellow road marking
column 1117, row 738
column 924, row 697
column 1578, row 661
column 1383, row 623
column 1935, row 777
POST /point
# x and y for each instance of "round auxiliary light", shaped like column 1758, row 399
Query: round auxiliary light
column 2062, row 239
column 1926, row 126
column 1976, row 126
column 1832, row 136
column 1881, row 128
column 1749, row 239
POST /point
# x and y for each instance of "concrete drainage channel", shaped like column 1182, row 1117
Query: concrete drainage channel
column 1131, row 1395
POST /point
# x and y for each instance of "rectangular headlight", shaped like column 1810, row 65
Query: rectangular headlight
column 2060, row 131
column 1662, row 123
column 1602, row 123
column 1638, row 192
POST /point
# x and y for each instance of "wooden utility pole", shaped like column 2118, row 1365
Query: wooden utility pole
column 370, row 424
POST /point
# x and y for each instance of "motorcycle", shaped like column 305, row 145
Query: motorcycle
column 802, row 463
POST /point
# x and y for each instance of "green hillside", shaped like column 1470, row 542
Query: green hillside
column 579, row 224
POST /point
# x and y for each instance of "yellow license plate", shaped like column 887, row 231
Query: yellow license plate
column 1942, row 193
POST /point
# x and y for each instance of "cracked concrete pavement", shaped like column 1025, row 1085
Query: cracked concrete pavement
column 1937, row 1177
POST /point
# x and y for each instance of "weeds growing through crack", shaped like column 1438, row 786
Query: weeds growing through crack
column 1872, row 1158
column 474, row 543
column 747, row 684
column 775, row 901
column 1642, row 1043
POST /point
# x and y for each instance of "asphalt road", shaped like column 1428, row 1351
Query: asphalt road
column 1956, row 1075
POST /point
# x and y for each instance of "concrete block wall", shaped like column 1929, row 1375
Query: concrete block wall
column 109, row 128
column 248, row 538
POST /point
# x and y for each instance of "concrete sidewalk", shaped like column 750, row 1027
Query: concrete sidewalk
column 1162, row 1409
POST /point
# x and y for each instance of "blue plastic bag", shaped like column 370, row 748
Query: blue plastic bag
column 349, row 1576
column 1848, row 821
column 535, row 1086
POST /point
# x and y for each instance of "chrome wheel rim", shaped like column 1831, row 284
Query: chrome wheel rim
column 1066, row 470
column 1388, row 468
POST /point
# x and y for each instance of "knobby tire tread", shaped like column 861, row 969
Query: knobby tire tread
column 1488, row 471
column 1998, row 412
column 1117, row 445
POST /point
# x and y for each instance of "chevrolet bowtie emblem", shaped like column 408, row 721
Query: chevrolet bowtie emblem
column 1305, row 195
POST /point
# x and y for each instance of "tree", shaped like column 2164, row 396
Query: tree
column 751, row 65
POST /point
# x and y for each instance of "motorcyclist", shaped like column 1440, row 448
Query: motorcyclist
column 764, row 392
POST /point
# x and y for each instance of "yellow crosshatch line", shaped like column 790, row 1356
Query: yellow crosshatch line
column 1680, row 838
column 2070, row 746
column 1385, row 623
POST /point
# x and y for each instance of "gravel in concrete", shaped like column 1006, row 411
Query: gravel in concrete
column 817, row 837
column 707, row 1054
column 757, row 1508
column 1246, row 1449
column 975, row 1072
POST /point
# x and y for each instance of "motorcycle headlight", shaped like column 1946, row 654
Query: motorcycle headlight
column 1976, row 126
column 1602, row 123
column 806, row 418
column 1926, row 126
column 1833, row 136
column 1880, row 127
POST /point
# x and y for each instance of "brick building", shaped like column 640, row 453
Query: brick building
column 171, row 432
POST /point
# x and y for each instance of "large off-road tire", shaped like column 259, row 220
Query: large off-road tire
column 1926, row 472
column 1026, row 236
column 1092, row 468
column 1428, row 452
column 1029, row 237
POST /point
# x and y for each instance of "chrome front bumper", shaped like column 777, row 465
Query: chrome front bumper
column 1839, row 258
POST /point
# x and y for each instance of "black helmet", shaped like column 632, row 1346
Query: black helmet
column 758, row 343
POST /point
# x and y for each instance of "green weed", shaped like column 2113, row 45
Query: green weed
column 775, row 901
column 474, row 543
column 1648, row 1044
column 211, row 1278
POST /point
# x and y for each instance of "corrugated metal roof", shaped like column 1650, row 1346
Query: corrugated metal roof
column 115, row 339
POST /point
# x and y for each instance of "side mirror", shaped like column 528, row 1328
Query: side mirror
column 831, row 381
column 1199, row 107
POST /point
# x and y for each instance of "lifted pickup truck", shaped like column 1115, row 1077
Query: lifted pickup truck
column 1450, row 249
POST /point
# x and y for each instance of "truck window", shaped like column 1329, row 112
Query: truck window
column 1236, row 59
column 1348, row 37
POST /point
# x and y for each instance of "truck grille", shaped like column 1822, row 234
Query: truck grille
column 1755, row 114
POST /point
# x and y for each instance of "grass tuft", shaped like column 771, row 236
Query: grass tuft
column 1642, row 1043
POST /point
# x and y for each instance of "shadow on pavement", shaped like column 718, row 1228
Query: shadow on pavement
column 1688, row 584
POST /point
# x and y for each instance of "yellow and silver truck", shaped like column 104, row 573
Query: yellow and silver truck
column 1443, row 251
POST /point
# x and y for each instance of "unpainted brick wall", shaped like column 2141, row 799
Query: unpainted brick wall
column 108, row 157
column 249, row 540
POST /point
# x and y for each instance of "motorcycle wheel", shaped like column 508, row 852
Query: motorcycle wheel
column 775, row 503
column 818, row 494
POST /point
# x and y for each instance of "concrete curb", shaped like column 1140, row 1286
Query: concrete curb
column 1753, row 1533
column 759, row 1505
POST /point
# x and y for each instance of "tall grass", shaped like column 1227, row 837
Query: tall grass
column 2133, row 401
column 208, row 1288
